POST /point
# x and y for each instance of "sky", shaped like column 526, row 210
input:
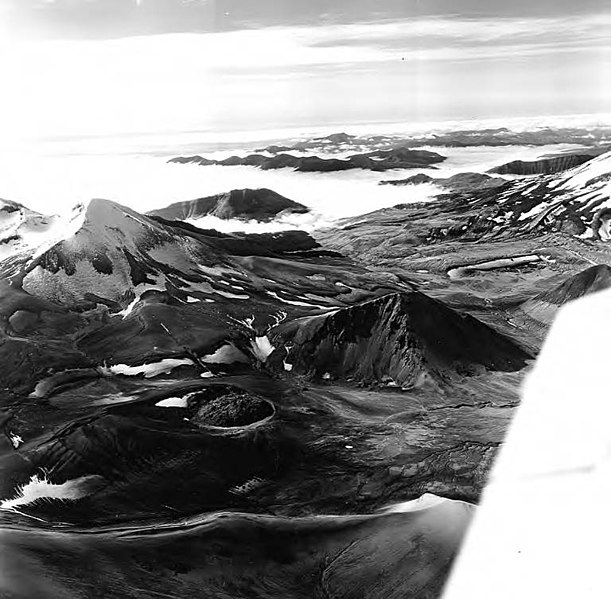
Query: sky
column 78, row 68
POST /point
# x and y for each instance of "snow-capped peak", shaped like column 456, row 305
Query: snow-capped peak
column 85, row 251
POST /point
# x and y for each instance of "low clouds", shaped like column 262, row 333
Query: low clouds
column 456, row 38
column 402, row 70
column 103, row 19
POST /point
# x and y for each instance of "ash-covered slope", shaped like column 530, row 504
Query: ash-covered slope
column 563, row 202
column 404, row 552
column 566, row 201
column 407, row 338
column 245, row 204
column 543, row 307
column 578, row 192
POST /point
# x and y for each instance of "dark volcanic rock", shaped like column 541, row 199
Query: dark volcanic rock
column 233, row 409
column 231, row 555
column 407, row 337
column 247, row 204
column 570, row 223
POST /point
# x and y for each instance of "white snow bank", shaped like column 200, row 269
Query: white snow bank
column 173, row 402
column 580, row 175
column 262, row 348
column 226, row 354
column 150, row 370
column 423, row 502
column 40, row 488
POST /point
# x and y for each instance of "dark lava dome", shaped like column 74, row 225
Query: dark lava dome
column 235, row 408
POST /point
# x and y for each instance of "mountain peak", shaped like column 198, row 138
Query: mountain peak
column 406, row 337
column 261, row 205
column 107, row 221
column 93, row 250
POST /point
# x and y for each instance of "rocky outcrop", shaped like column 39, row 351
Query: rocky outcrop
column 245, row 204
column 407, row 338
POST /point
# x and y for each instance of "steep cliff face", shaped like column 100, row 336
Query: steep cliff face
column 408, row 338
column 245, row 204
column 543, row 166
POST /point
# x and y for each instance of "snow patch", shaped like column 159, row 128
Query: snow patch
column 424, row 502
column 294, row 302
column 231, row 295
column 173, row 402
column 151, row 370
column 139, row 290
column 39, row 487
column 534, row 211
column 262, row 348
column 580, row 175
column 16, row 440
column 226, row 354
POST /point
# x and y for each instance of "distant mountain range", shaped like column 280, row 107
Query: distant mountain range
column 377, row 160
column 501, row 136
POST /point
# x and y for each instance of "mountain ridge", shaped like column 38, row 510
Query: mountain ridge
column 261, row 205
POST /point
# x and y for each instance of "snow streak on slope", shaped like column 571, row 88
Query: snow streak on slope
column 39, row 488
column 594, row 171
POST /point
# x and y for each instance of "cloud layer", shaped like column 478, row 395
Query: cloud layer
column 411, row 69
